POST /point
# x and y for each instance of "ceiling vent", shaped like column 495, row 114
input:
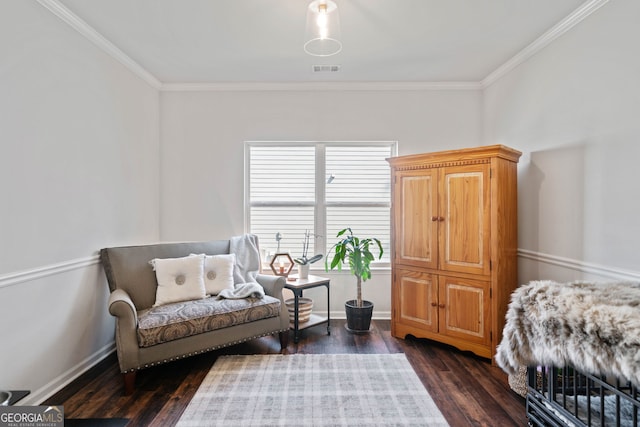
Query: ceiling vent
column 326, row 68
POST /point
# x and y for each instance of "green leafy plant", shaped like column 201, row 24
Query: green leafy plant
column 358, row 254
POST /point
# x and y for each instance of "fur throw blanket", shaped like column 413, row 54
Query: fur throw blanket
column 592, row 327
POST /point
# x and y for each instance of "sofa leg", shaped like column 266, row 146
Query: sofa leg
column 284, row 340
column 129, row 382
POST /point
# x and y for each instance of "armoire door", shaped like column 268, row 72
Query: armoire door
column 416, row 299
column 464, row 219
column 465, row 310
column 415, row 230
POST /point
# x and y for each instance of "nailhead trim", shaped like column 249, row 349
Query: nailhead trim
column 203, row 351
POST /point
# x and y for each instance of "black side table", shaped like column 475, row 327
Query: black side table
column 297, row 287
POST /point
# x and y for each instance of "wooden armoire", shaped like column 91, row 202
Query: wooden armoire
column 454, row 241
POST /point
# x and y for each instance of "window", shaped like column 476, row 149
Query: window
column 322, row 187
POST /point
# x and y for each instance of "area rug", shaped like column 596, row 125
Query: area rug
column 312, row 390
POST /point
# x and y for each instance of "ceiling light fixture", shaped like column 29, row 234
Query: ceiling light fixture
column 322, row 34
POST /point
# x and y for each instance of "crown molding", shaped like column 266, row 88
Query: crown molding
column 319, row 86
column 581, row 266
column 55, row 7
column 577, row 16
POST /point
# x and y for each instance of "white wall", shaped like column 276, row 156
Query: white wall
column 573, row 110
column 84, row 141
column 78, row 172
column 202, row 160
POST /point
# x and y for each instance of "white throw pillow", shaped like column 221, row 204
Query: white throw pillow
column 179, row 279
column 218, row 273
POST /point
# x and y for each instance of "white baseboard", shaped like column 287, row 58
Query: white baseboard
column 381, row 315
column 377, row 315
column 36, row 397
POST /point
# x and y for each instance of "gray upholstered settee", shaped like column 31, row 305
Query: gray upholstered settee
column 133, row 285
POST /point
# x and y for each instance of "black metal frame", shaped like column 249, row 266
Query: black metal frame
column 560, row 396
column 297, row 288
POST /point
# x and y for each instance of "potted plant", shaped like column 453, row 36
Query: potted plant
column 304, row 261
column 357, row 252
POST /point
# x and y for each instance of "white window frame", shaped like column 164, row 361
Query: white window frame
column 320, row 204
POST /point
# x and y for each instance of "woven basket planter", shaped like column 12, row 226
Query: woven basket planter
column 305, row 305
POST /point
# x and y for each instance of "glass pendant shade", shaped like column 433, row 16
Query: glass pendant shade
column 322, row 34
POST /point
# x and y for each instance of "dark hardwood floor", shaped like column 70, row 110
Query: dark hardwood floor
column 468, row 390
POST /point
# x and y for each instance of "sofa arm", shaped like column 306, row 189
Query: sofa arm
column 272, row 285
column 121, row 306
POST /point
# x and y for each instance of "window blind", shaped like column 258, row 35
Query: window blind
column 320, row 187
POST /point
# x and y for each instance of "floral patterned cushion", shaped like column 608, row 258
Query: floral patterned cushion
column 183, row 319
